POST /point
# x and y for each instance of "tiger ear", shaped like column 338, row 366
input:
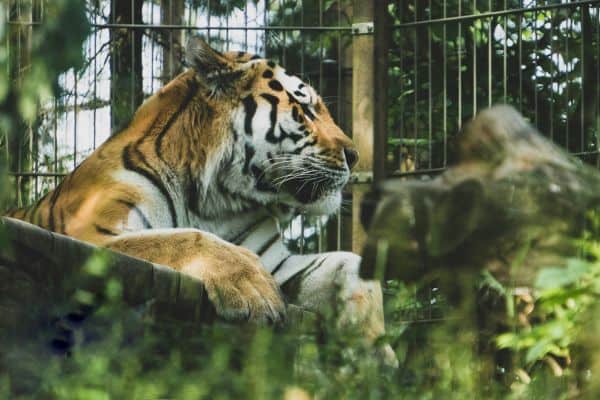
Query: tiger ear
column 204, row 59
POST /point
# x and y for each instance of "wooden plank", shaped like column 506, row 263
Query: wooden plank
column 363, row 92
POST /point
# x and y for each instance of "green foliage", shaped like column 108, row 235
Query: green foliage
column 553, row 335
column 544, row 63
column 124, row 355
column 55, row 46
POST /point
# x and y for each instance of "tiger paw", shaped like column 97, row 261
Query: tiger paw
column 242, row 290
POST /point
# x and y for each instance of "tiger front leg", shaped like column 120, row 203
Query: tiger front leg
column 234, row 279
column 329, row 282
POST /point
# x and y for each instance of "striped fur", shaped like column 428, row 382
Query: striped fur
column 202, row 173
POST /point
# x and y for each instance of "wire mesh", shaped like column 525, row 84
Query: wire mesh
column 136, row 47
column 450, row 58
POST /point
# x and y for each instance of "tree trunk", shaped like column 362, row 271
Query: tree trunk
column 126, row 62
column 171, row 14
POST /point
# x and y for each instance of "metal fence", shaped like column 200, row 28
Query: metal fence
column 136, row 47
column 450, row 58
column 446, row 59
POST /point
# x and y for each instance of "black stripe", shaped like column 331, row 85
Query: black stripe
column 308, row 143
column 275, row 85
column 193, row 89
column 274, row 101
column 138, row 212
column 250, row 109
column 250, row 230
column 296, row 137
column 291, row 98
column 261, row 182
column 192, row 195
column 28, row 212
column 249, row 153
column 268, row 244
column 312, row 267
column 104, row 231
column 307, row 111
column 61, row 216
column 129, row 164
column 280, row 265
column 53, row 199
column 296, row 114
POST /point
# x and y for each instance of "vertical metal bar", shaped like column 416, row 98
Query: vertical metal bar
column 319, row 235
column 283, row 19
column 339, row 64
column 303, row 45
column 553, row 58
column 597, row 127
column 266, row 23
column 459, row 59
column 567, row 79
column 582, row 80
column 474, row 65
column 490, row 38
column 18, row 53
column 505, row 58
column 338, row 216
column 152, row 51
column 321, row 48
column 430, row 94
column 208, row 21
column 133, row 33
column 75, row 113
column 535, row 65
column 34, row 132
column 246, row 25
column 445, row 89
column 302, row 244
column 416, row 82
column 95, row 77
column 56, row 141
column 380, row 101
column 520, row 40
column 227, row 12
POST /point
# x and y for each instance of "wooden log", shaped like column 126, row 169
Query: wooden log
column 513, row 203
column 43, row 276
column 52, row 269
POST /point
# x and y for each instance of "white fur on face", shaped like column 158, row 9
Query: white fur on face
column 277, row 159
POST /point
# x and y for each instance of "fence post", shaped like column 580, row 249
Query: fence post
column 363, row 92
column 381, row 23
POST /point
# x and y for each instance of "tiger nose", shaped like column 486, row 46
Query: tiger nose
column 351, row 156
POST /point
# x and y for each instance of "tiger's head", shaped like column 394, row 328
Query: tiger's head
column 285, row 147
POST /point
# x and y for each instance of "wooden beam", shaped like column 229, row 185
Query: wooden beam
column 363, row 92
column 380, row 76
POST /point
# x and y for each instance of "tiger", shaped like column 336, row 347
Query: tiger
column 201, row 180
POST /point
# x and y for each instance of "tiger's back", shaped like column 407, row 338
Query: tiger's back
column 103, row 197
